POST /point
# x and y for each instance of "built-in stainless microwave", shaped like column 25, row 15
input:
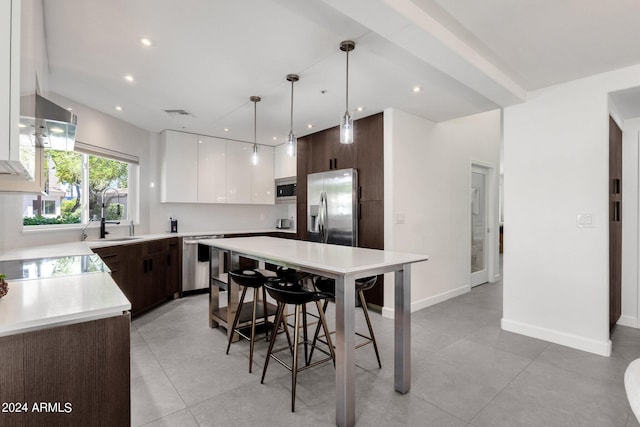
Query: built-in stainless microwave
column 286, row 190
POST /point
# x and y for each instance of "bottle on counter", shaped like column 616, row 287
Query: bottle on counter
column 174, row 225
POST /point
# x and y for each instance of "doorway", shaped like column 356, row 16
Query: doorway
column 481, row 224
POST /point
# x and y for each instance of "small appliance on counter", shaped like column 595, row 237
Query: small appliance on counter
column 174, row 225
column 283, row 223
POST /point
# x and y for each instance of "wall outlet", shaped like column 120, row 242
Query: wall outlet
column 584, row 220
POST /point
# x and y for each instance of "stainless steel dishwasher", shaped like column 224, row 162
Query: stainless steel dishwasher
column 195, row 264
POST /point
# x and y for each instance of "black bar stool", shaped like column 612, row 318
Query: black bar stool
column 292, row 293
column 328, row 286
column 249, row 279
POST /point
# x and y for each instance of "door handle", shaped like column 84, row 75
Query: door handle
column 323, row 207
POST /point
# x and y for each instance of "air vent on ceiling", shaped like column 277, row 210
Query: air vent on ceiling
column 175, row 113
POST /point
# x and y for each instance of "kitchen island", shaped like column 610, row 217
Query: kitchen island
column 64, row 344
column 344, row 264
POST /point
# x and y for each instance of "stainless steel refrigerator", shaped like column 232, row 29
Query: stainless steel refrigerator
column 332, row 207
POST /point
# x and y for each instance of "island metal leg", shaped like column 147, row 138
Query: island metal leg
column 402, row 330
column 345, row 351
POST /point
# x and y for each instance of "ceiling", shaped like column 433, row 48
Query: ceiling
column 209, row 56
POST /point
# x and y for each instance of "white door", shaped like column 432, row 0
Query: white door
column 479, row 226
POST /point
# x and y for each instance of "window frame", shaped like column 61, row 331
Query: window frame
column 133, row 183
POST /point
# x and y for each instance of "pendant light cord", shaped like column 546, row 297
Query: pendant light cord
column 291, row 126
column 347, row 79
column 255, row 123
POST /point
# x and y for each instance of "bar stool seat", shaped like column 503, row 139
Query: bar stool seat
column 255, row 280
column 328, row 286
column 284, row 293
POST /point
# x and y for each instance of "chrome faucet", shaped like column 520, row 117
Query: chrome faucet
column 103, row 219
column 83, row 235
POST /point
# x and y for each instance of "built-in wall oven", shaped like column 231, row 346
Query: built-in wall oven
column 195, row 264
column 286, row 190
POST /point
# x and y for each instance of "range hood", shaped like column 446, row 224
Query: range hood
column 52, row 125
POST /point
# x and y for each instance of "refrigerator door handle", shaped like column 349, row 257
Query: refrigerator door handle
column 322, row 218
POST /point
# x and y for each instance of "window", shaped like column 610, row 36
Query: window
column 77, row 185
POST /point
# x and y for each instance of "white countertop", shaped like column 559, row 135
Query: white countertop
column 56, row 301
column 318, row 256
column 84, row 248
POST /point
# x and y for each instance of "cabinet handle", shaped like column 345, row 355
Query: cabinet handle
column 360, row 192
column 144, row 266
column 330, row 164
column 168, row 259
column 335, row 163
column 151, row 264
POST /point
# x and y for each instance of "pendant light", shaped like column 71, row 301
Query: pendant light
column 346, row 121
column 292, row 141
column 254, row 156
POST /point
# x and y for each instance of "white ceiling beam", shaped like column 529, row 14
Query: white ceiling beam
column 413, row 29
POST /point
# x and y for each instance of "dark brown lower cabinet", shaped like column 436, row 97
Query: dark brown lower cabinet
column 73, row 375
column 148, row 273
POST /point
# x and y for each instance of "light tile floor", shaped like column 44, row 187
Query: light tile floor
column 466, row 372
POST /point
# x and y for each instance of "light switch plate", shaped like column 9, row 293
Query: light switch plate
column 584, row 220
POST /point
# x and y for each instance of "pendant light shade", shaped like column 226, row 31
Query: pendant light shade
column 292, row 141
column 254, row 156
column 346, row 121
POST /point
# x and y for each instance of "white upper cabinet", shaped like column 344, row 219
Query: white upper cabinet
column 285, row 166
column 22, row 44
column 9, row 83
column 178, row 167
column 239, row 172
column 212, row 170
column 262, row 180
column 204, row 169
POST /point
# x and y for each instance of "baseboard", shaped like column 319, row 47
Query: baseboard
column 629, row 321
column 602, row 348
column 429, row 301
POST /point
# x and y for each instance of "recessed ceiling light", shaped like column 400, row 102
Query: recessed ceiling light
column 129, row 78
column 22, row 125
column 417, row 89
column 146, row 41
column 226, row 129
column 118, row 108
column 360, row 109
column 275, row 138
column 309, row 126
column 69, row 109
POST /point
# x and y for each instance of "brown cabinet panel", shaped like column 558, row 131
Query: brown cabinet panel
column 301, row 211
column 371, row 224
column 370, row 157
column 173, row 267
column 303, row 165
column 84, row 365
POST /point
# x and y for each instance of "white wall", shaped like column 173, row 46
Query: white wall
column 427, row 179
column 556, row 276
column 630, row 255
